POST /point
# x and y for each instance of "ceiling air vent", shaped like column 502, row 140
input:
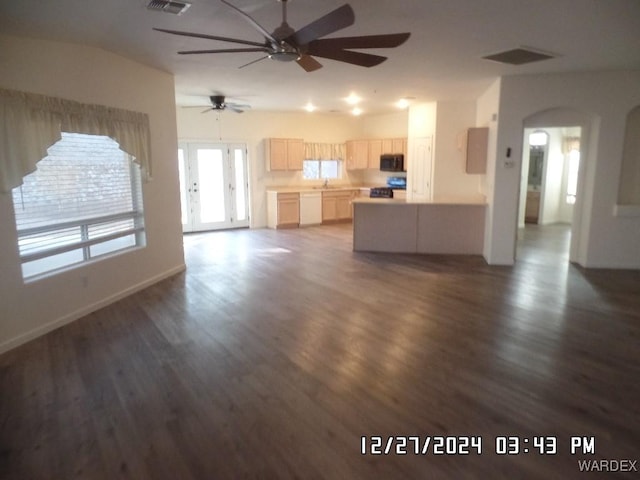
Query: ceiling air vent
column 519, row 56
column 177, row 8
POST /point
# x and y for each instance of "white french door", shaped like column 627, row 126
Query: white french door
column 213, row 186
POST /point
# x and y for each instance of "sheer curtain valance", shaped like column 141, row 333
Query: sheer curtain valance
column 324, row 151
column 570, row 143
column 31, row 123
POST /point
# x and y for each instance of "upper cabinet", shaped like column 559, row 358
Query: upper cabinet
column 363, row 154
column 375, row 150
column 394, row 145
column 357, row 154
column 287, row 154
column 477, row 143
column 284, row 153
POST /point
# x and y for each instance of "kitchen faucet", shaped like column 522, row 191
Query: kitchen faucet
column 326, row 183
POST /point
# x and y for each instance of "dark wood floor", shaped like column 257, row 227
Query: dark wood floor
column 277, row 351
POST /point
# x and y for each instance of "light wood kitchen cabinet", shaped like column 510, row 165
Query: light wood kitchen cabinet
column 375, row 150
column 477, row 143
column 337, row 205
column 357, row 154
column 532, row 207
column 400, row 194
column 394, row 145
column 284, row 153
column 365, row 154
column 329, row 208
column 283, row 210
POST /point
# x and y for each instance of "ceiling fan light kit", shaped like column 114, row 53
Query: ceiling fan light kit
column 176, row 8
column 219, row 104
column 285, row 44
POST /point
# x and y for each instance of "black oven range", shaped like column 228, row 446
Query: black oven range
column 381, row 192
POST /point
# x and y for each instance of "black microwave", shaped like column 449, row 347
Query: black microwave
column 392, row 163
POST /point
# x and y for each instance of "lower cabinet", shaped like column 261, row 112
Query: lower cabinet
column 283, row 210
column 337, row 205
column 532, row 207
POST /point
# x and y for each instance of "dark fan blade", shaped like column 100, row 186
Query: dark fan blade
column 340, row 18
column 309, row 63
column 223, row 50
column 367, row 41
column 235, row 108
column 255, row 24
column 237, row 105
column 211, row 37
column 347, row 56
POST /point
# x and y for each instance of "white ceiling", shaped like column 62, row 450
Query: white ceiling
column 441, row 61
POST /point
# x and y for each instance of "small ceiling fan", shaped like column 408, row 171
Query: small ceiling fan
column 286, row 44
column 219, row 103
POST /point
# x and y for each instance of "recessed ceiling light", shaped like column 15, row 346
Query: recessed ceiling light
column 403, row 103
column 309, row 107
column 356, row 111
column 353, row 99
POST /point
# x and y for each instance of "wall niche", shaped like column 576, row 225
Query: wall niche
column 629, row 186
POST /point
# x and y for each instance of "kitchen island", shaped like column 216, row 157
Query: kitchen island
column 444, row 226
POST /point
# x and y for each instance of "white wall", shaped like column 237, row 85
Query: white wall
column 606, row 97
column 488, row 115
column 553, row 170
column 92, row 76
column 387, row 125
column 450, row 155
column 253, row 127
column 630, row 175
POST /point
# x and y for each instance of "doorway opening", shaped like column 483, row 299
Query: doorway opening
column 214, row 188
column 549, row 186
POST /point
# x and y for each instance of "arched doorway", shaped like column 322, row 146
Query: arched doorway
column 557, row 180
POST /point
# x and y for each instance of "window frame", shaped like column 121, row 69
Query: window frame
column 320, row 162
column 81, row 234
column 571, row 186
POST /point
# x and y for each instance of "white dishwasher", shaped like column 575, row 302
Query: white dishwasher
column 310, row 208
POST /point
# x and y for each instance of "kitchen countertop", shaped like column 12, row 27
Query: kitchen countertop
column 303, row 189
column 443, row 200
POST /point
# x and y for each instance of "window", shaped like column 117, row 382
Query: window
column 320, row 169
column 572, row 176
column 83, row 201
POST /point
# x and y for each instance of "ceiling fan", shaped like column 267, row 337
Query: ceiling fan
column 286, row 44
column 219, row 103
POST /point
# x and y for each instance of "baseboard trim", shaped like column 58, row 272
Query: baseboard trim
column 86, row 310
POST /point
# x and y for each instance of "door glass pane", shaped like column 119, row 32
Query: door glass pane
column 211, row 185
column 183, row 186
column 241, row 194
